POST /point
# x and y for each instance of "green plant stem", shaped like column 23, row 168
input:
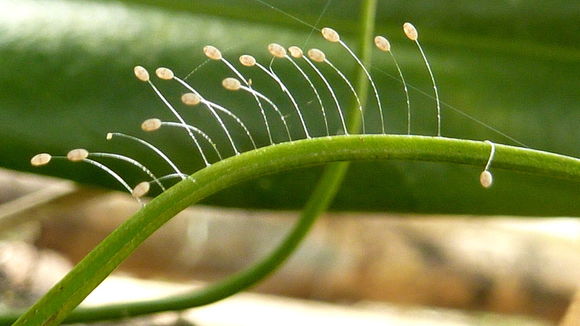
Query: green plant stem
column 318, row 202
column 97, row 265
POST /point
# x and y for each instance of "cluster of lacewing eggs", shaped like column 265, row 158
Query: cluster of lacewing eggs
column 233, row 84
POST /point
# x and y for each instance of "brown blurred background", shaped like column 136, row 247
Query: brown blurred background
column 478, row 267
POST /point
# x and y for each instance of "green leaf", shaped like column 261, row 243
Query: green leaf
column 67, row 81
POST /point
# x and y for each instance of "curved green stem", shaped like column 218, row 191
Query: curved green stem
column 226, row 287
column 318, row 202
column 97, row 265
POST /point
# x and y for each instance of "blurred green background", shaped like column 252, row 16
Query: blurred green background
column 67, row 80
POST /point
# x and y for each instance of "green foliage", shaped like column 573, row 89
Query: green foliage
column 513, row 66
column 93, row 55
